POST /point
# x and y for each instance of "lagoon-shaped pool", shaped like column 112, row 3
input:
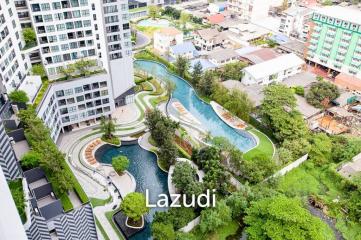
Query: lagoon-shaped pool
column 185, row 93
column 153, row 23
column 143, row 166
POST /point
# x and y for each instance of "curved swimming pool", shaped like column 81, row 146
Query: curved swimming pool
column 185, row 93
column 143, row 166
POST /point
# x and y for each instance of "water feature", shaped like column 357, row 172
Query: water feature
column 143, row 166
column 201, row 110
column 153, row 23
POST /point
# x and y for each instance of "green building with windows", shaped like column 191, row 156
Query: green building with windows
column 335, row 40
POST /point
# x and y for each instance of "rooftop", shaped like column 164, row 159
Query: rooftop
column 206, row 64
column 217, row 18
column 223, row 54
column 260, row 55
column 183, row 48
column 293, row 11
column 210, row 34
column 293, row 46
column 342, row 13
column 170, row 31
column 348, row 81
column 273, row 66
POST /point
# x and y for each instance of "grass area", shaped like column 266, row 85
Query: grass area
column 228, row 231
column 16, row 189
column 182, row 152
column 76, row 186
column 104, row 234
column 65, row 201
column 109, row 216
column 324, row 183
column 100, row 202
column 158, row 88
column 113, row 140
column 264, row 146
column 146, row 86
column 41, row 93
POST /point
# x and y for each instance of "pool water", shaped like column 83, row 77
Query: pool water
column 153, row 23
column 185, row 93
column 143, row 166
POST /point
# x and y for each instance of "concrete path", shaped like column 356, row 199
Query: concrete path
column 142, row 40
column 126, row 114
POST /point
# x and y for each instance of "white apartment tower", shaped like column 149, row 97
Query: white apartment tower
column 13, row 65
column 249, row 10
column 68, row 30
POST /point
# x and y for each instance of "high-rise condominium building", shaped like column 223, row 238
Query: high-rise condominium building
column 13, row 65
column 68, row 31
column 335, row 40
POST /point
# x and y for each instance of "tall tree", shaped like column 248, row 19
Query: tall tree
column 278, row 111
column 184, row 18
column 212, row 218
column 280, row 217
column 153, row 11
column 207, row 83
column 182, row 64
column 197, row 73
column 107, row 126
column 322, row 91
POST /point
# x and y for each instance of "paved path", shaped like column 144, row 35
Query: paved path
column 142, row 40
column 126, row 114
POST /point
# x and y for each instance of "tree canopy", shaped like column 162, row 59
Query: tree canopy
column 182, row 64
column 278, row 111
column 212, row 218
column 29, row 35
column 120, row 163
column 280, row 217
column 134, row 206
column 19, row 96
column 321, row 91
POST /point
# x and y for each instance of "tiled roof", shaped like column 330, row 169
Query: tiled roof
column 170, row 31
column 217, row 18
column 183, row 48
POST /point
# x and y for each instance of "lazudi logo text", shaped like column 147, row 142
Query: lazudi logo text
column 207, row 199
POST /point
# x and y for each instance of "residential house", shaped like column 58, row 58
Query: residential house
column 249, row 11
column 185, row 49
column 274, row 70
column 209, row 39
column 223, row 56
column 166, row 37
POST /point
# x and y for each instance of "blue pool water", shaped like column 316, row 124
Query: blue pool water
column 201, row 110
column 143, row 166
column 153, row 23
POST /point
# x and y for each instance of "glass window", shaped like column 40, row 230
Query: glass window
column 64, row 47
column 48, row 18
column 78, row 89
column 60, row 27
column 63, row 37
column 76, row 14
column 56, row 5
column 45, row 6
column 50, row 28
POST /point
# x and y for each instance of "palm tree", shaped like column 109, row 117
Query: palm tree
column 108, row 127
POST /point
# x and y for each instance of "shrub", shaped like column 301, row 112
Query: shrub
column 120, row 163
column 30, row 160
column 19, row 96
column 29, row 35
column 17, row 193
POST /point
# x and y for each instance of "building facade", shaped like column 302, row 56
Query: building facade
column 249, row 10
column 273, row 71
column 335, row 40
column 166, row 37
column 295, row 22
column 13, row 64
column 76, row 103
column 8, row 160
column 10, row 225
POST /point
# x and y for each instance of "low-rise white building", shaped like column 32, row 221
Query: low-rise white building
column 76, row 103
column 295, row 22
column 274, row 70
column 166, row 37
column 209, row 39
column 223, row 56
column 185, row 49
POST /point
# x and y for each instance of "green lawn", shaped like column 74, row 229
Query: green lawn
column 104, row 234
column 265, row 145
column 99, row 202
column 109, row 216
column 16, row 189
column 221, row 233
